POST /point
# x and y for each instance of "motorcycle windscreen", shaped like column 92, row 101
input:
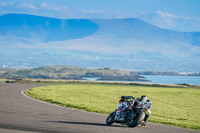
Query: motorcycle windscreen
column 120, row 108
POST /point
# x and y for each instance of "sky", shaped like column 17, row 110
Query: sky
column 178, row 15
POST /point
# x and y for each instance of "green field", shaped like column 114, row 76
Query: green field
column 2, row 80
column 171, row 106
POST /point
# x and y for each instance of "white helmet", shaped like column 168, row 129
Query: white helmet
column 144, row 98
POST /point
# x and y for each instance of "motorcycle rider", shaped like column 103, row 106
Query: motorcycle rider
column 142, row 100
column 129, row 100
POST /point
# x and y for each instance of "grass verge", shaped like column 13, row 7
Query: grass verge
column 171, row 106
column 2, row 80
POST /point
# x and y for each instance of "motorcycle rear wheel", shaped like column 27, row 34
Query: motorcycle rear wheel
column 137, row 120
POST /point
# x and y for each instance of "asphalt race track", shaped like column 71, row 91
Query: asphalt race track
column 19, row 114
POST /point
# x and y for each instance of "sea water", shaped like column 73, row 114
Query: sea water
column 192, row 80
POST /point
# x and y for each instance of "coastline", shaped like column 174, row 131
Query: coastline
column 49, row 81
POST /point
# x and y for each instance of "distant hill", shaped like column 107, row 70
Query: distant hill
column 33, row 41
column 116, row 31
column 45, row 29
column 71, row 73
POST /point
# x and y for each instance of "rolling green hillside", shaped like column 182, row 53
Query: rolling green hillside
column 71, row 73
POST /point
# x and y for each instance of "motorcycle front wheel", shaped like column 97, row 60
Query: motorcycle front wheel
column 136, row 120
column 110, row 118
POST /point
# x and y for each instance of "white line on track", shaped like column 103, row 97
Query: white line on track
column 23, row 93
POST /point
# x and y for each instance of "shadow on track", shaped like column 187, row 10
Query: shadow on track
column 86, row 123
column 26, row 128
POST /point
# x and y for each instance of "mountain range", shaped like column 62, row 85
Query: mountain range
column 33, row 41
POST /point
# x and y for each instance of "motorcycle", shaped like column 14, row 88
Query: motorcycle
column 130, row 111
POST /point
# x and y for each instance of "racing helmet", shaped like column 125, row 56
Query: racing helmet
column 144, row 98
column 130, row 99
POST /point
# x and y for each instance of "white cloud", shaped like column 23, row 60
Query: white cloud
column 62, row 8
column 92, row 11
column 44, row 5
column 3, row 4
column 170, row 21
column 165, row 14
column 26, row 5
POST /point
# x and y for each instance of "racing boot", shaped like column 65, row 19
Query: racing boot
column 143, row 124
